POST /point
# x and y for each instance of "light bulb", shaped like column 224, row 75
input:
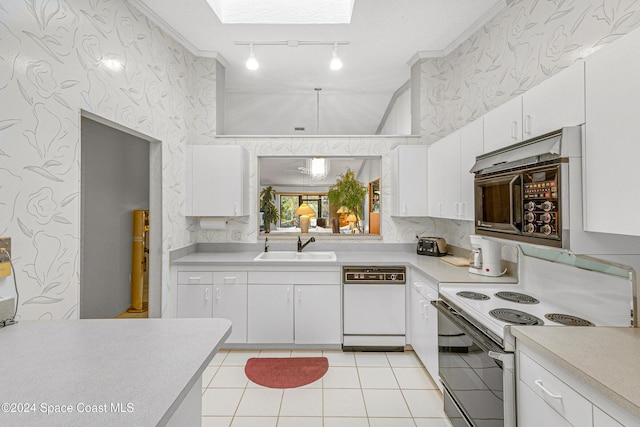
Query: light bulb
column 252, row 62
column 336, row 63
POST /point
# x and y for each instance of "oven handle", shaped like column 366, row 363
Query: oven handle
column 512, row 202
column 480, row 339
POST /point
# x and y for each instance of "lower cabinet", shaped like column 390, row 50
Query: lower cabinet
column 230, row 302
column 548, row 396
column 294, row 314
column 195, row 300
column 423, row 326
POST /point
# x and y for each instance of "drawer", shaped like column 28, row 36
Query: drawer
column 563, row 399
column 195, row 278
column 294, row 277
column 230, row 277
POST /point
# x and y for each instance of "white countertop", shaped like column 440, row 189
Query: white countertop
column 147, row 366
column 434, row 267
column 603, row 358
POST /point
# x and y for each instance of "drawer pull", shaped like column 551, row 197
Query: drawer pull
column 543, row 388
column 192, row 278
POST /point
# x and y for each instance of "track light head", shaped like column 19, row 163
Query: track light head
column 335, row 63
column 252, row 62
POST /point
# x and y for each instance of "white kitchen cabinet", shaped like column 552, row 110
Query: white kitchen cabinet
column 547, row 395
column 443, row 180
column 423, row 327
column 602, row 419
column 503, row 125
column 555, row 103
column 409, row 181
column 294, row 307
column 611, row 149
column 270, row 314
column 217, row 181
column 230, row 302
column 471, row 146
column 195, row 300
column 318, row 311
column 449, row 181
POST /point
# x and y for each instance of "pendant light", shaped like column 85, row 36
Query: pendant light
column 335, row 63
column 252, row 62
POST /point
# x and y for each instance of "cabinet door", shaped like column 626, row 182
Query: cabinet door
column 230, row 302
column 215, row 180
column 418, row 326
column 317, row 314
column 451, row 175
column 503, row 125
column 435, row 183
column 270, row 314
column 555, row 103
column 611, row 149
column 195, row 300
column 471, row 145
column 602, row 419
column 410, row 181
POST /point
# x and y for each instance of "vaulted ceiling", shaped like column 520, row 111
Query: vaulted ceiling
column 383, row 36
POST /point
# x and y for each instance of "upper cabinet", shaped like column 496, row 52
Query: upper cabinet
column 611, row 149
column 217, row 181
column 555, row 103
column 503, row 125
column 409, row 186
column 449, row 180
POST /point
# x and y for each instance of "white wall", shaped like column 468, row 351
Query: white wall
column 398, row 121
column 51, row 68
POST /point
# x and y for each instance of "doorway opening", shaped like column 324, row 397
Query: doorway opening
column 120, row 175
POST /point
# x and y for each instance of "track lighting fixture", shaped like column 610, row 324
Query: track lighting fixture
column 335, row 63
column 252, row 62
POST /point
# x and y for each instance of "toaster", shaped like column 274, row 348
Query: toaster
column 432, row 246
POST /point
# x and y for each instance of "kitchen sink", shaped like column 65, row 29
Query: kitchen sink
column 296, row 256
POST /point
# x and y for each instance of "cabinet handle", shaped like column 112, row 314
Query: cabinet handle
column 206, row 294
column 417, row 286
column 404, row 208
column 229, row 279
column 218, row 294
column 456, row 209
column 463, row 209
column 527, row 124
column 514, row 129
column 425, row 312
column 194, row 278
column 288, row 296
column 433, row 297
column 441, row 209
column 299, row 294
column 421, row 306
column 235, row 209
column 543, row 388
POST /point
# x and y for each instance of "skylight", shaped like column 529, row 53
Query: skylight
column 283, row 11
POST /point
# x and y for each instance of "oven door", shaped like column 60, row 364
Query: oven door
column 498, row 203
column 477, row 374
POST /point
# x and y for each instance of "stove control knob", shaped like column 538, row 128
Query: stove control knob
column 529, row 206
column 546, row 217
column 529, row 228
column 547, row 206
column 546, row 229
column 529, row 217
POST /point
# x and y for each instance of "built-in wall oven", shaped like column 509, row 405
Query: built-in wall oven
column 521, row 191
column 477, row 374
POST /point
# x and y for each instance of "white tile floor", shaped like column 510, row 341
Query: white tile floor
column 359, row 390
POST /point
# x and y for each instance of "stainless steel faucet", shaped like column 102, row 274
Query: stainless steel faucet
column 301, row 246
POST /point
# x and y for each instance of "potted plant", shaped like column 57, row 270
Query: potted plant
column 349, row 193
column 268, row 207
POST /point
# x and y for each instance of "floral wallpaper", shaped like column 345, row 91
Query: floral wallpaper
column 527, row 42
column 60, row 57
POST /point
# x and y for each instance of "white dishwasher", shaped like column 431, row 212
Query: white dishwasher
column 373, row 308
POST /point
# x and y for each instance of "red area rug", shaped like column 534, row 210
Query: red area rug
column 286, row 372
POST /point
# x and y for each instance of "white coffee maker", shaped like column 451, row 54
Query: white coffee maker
column 486, row 257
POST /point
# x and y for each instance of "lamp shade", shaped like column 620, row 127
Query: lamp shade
column 305, row 209
column 351, row 218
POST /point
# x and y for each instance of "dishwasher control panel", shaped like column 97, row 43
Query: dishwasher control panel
column 373, row 275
